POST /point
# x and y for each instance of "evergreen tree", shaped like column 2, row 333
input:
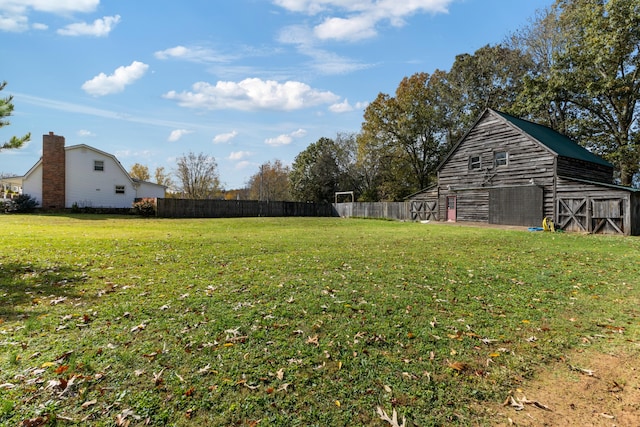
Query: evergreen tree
column 6, row 108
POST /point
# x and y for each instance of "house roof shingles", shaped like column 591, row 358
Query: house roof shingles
column 556, row 142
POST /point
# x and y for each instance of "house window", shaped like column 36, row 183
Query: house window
column 474, row 162
column 119, row 189
column 98, row 165
column 500, row 158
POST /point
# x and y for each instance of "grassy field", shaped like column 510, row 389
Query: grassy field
column 293, row 322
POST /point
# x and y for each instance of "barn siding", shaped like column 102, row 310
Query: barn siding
column 584, row 170
column 472, row 205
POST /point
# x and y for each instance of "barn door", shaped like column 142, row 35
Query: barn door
column 516, row 205
column 573, row 214
column 451, row 208
column 424, row 210
column 607, row 216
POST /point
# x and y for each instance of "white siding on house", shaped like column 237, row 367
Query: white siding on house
column 87, row 187
column 149, row 190
column 32, row 183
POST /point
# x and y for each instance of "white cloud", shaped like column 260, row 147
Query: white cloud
column 99, row 27
column 83, row 133
column 224, row 137
column 61, row 7
column 85, row 109
column 121, row 154
column 14, row 14
column 298, row 133
column 355, row 28
column 239, row 155
column 252, row 94
column 177, row 134
column 285, row 139
column 52, row 6
column 193, row 54
column 341, row 107
column 39, row 26
column 322, row 61
column 345, row 106
column 14, row 24
column 353, row 20
column 244, row 164
column 116, row 82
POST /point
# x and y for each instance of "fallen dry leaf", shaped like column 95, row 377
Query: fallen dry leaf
column 284, row 387
column 157, row 378
column 313, row 340
column 138, row 328
column 89, row 403
column 57, row 301
column 518, row 404
column 458, row 366
column 393, row 420
column 35, row 422
column 122, row 418
column 535, row 403
column 587, row 372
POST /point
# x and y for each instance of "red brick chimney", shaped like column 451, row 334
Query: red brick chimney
column 53, row 171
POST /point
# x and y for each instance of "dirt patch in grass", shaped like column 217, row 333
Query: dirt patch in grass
column 586, row 389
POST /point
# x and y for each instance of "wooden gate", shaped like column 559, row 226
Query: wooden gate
column 603, row 216
column 607, row 216
column 424, row 210
column 573, row 214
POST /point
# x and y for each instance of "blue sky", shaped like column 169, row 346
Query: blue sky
column 245, row 81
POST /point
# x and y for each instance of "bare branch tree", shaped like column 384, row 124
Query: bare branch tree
column 198, row 176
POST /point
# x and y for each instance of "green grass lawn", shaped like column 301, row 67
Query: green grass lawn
column 293, row 322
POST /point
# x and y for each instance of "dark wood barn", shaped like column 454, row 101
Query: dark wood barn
column 513, row 172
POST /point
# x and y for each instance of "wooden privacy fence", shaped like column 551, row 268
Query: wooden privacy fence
column 187, row 208
column 390, row 210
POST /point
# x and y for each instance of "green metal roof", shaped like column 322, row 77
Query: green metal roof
column 556, row 142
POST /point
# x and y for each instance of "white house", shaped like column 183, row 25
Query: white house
column 82, row 176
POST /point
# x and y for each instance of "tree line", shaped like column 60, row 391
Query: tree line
column 575, row 67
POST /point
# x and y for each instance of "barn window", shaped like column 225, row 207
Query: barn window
column 500, row 158
column 98, row 165
column 474, row 162
column 119, row 189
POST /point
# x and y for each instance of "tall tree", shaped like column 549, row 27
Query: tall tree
column 351, row 171
column 543, row 99
column 315, row 174
column 270, row 183
column 599, row 66
column 140, row 172
column 163, row 178
column 407, row 132
column 490, row 78
column 6, row 109
column 198, row 176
